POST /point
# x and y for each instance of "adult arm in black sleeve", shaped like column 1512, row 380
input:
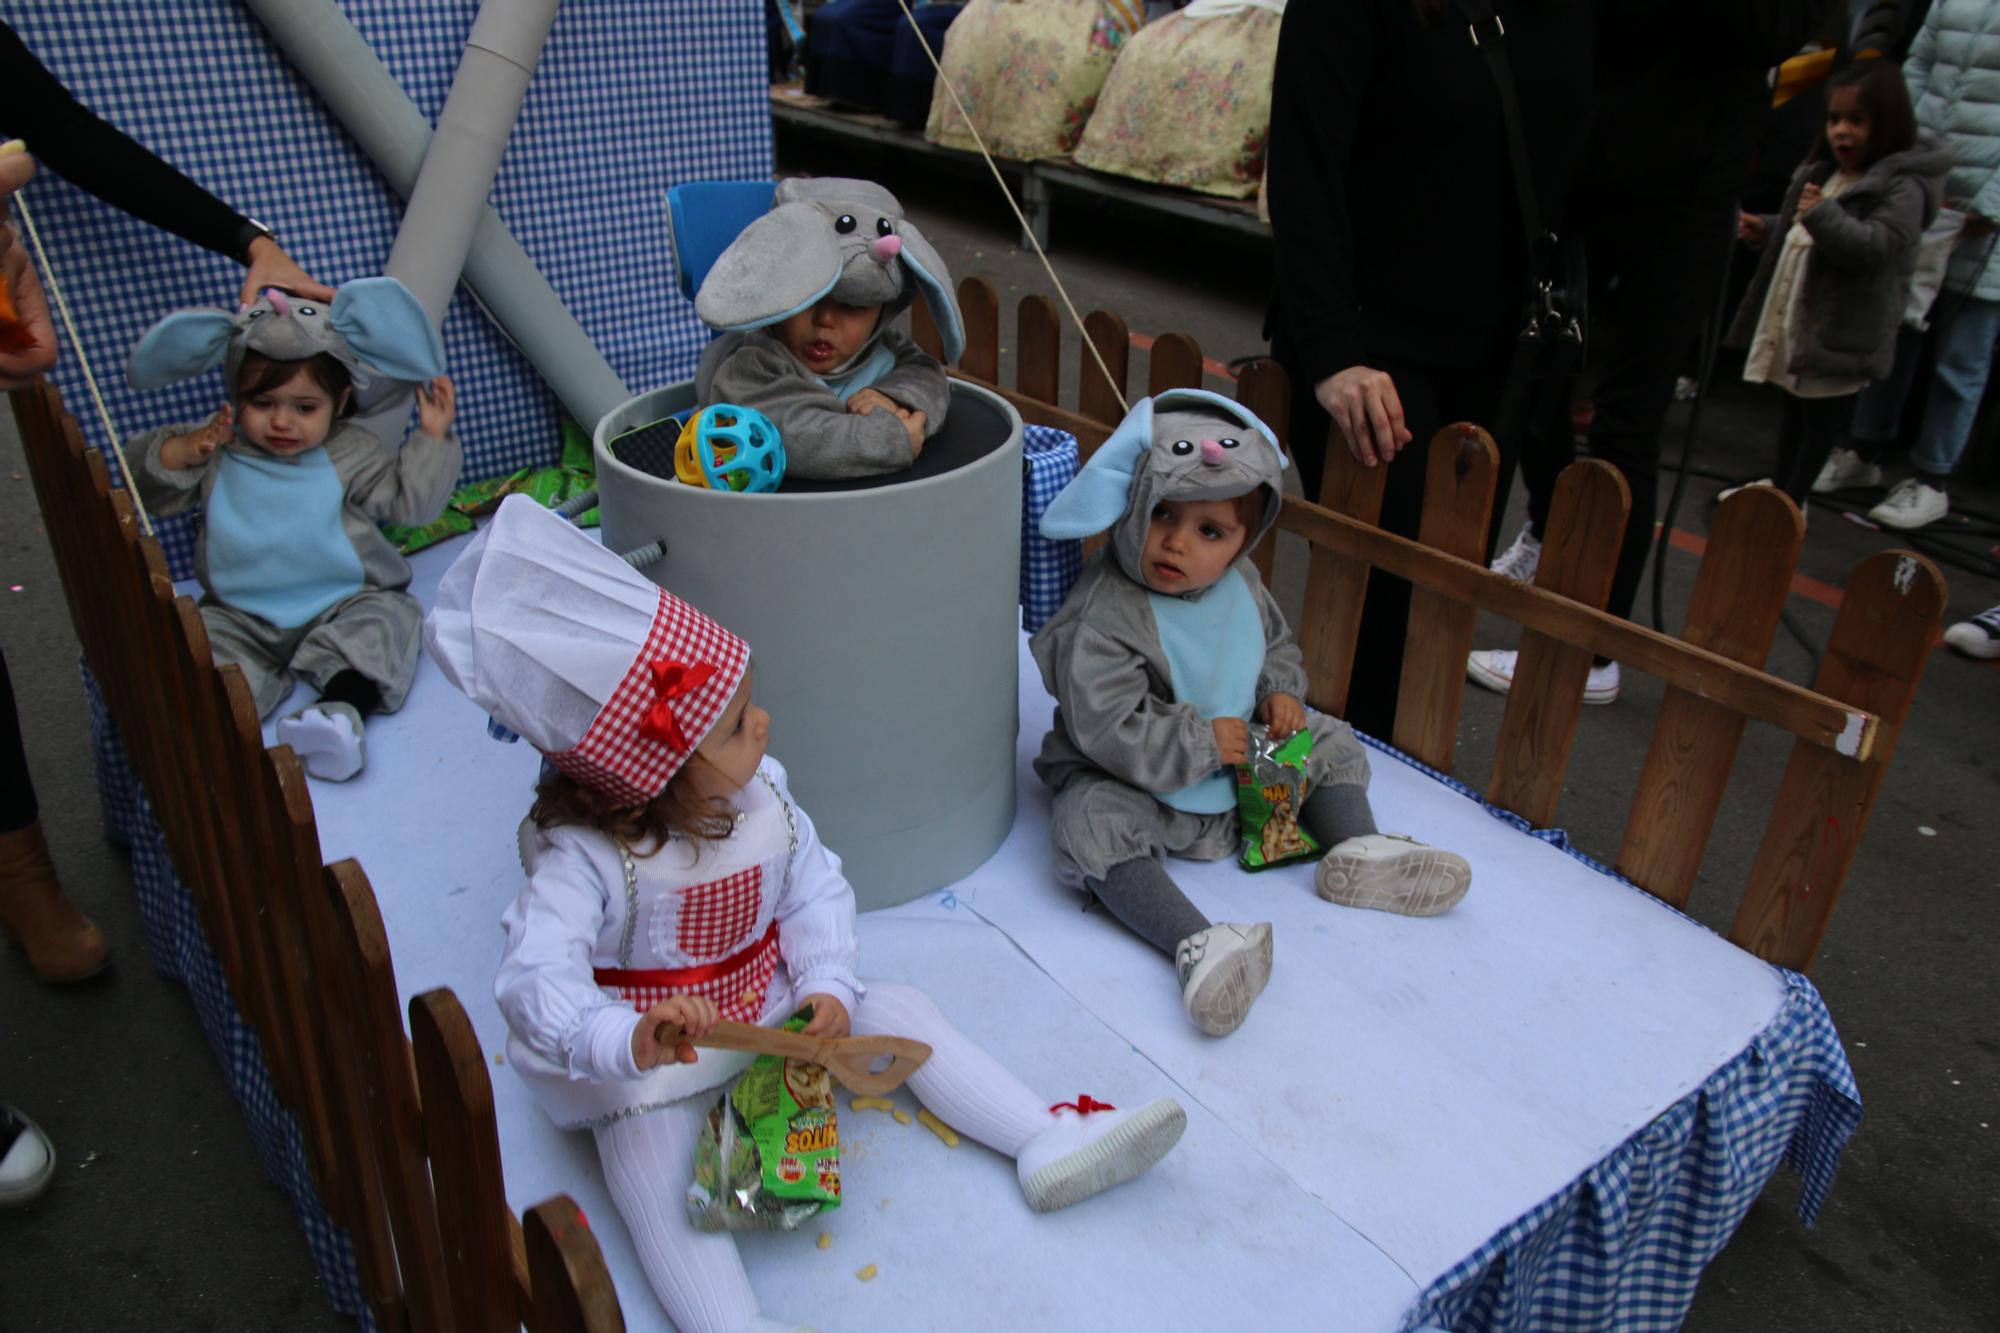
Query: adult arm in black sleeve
column 96, row 156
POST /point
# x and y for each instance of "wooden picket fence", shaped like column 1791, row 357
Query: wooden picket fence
column 400, row 1125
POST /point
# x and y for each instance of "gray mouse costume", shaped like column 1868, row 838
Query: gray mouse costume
column 846, row 240
column 296, row 573
column 1139, row 676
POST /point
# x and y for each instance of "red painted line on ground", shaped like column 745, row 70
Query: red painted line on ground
column 1144, row 342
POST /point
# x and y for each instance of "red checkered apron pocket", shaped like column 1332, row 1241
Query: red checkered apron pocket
column 714, row 917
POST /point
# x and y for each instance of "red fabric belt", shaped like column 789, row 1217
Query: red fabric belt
column 678, row 978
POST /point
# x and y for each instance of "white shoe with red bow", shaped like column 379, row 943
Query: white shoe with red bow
column 1093, row 1146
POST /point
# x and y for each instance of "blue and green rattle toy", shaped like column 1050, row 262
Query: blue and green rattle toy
column 726, row 447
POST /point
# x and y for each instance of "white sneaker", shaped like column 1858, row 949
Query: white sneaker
column 1520, row 560
column 1978, row 637
column 1092, row 1147
column 1846, row 468
column 1223, row 970
column 1493, row 668
column 1910, row 505
column 1728, row 491
column 327, row 739
column 1392, row 872
column 27, row 1159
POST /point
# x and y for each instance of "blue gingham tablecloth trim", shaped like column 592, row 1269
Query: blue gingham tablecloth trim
column 181, row 953
column 629, row 98
column 1623, row 1246
column 1049, row 569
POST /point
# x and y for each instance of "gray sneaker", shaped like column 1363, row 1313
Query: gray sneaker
column 1223, row 970
column 1392, row 872
column 1846, row 470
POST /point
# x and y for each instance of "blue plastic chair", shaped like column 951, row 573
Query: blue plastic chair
column 703, row 217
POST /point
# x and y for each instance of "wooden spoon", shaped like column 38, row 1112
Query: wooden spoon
column 846, row 1058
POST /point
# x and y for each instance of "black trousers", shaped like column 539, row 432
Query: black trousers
column 1654, row 268
column 1808, row 432
column 17, row 790
column 1432, row 398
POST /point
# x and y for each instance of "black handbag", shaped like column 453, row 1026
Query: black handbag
column 1551, row 343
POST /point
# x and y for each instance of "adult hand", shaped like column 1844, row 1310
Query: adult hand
column 1750, row 227
column 829, row 1017
column 1809, row 199
column 694, row 1016
column 1363, row 402
column 1283, row 714
column 437, row 406
column 1232, row 738
column 20, row 367
column 270, row 266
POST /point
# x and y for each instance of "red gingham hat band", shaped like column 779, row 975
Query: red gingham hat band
column 677, row 686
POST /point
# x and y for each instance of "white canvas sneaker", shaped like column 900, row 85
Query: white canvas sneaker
column 1092, row 1147
column 1493, row 669
column 1223, row 970
column 1845, row 469
column 1392, row 872
column 1728, row 491
column 1520, row 560
column 27, row 1159
column 1978, row 637
column 327, row 738
column 1911, row 505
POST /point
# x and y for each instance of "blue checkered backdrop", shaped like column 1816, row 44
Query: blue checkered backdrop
column 631, row 96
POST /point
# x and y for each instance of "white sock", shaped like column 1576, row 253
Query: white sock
column 698, row 1276
column 961, row 1084
column 327, row 739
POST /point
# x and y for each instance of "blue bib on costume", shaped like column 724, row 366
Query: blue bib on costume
column 1215, row 653
column 878, row 364
column 276, row 547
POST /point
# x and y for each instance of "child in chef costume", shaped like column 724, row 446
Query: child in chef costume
column 675, row 883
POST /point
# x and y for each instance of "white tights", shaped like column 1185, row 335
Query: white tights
column 648, row 1159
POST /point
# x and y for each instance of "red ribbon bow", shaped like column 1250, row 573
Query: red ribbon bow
column 1083, row 1105
column 672, row 680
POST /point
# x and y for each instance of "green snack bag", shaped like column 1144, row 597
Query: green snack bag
column 576, row 454
column 1271, row 789
column 484, row 496
column 769, row 1156
column 410, row 540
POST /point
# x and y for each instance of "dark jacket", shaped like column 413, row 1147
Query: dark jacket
column 1392, row 201
column 1857, row 273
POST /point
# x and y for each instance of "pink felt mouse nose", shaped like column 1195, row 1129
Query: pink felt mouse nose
column 277, row 299
column 886, row 248
column 1211, row 453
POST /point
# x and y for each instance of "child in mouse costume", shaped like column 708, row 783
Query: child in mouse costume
column 1158, row 660
column 676, row 882
column 805, row 296
column 296, row 575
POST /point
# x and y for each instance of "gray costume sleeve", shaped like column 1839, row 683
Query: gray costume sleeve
column 823, row 440
column 1115, row 719
column 1284, row 666
column 1880, row 239
column 918, row 382
column 165, row 490
column 410, row 488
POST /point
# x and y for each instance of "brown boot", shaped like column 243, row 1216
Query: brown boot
column 61, row 943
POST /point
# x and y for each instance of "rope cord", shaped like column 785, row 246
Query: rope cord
column 1089, row 344
column 83, row 359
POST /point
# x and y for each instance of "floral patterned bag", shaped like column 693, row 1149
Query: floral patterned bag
column 1029, row 72
column 1189, row 104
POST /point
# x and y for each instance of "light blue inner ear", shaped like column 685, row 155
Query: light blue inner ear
column 184, row 344
column 944, row 310
column 1097, row 496
column 387, row 329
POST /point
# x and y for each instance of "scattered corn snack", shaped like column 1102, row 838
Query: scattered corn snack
column 872, row 1104
column 866, row 1273
column 902, row 1117
column 939, row 1128
column 825, row 1239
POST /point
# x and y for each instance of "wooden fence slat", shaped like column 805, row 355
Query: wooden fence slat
column 464, row 1144
column 571, row 1288
column 1739, row 595
column 924, row 330
column 1579, row 556
column 1336, row 582
column 979, row 305
column 1038, row 348
column 1265, row 388
column 1458, row 501
column 1098, row 398
column 1889, row 619
column 1175, row 363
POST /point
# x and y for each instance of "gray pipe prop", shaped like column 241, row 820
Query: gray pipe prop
column 366, row 99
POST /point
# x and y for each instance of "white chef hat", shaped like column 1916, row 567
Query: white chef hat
column 613, row 678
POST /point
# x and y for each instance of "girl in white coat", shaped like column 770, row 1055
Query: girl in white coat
column 676, row 883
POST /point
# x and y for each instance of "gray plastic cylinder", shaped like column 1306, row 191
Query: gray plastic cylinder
column 883, row 626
